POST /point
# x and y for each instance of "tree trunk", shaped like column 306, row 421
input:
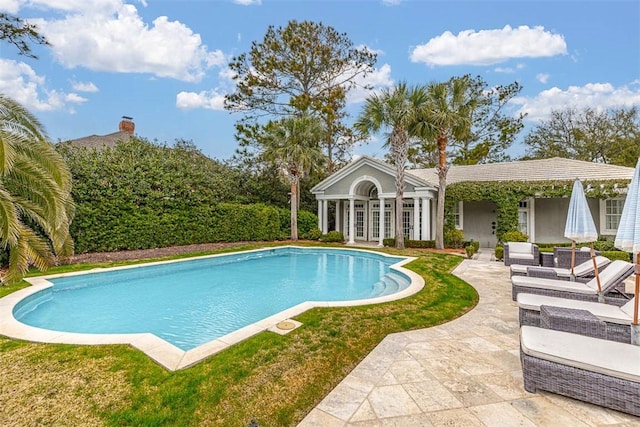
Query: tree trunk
column 442, row 185
column 294, row 208
column 398, row 143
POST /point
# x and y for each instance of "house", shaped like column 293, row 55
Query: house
column 362, row 195
column 126, row 129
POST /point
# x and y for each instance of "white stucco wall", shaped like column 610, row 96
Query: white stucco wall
column 476, row 224
column 551, row 218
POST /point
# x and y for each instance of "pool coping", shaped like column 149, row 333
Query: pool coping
column 163, row 352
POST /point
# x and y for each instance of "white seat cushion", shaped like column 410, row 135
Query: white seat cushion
column 629, row 307
column 519, row 255
column 609, row 358
column 606, row 312
column 587, row 266
column 554, row 284
column 520, row 248
column 518, row 269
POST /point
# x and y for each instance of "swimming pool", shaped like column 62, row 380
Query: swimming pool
column 192, row 305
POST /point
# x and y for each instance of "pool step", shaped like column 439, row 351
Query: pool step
column 390, row 284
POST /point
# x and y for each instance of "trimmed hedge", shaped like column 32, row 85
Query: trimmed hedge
column 96, row 230
column 418, row 244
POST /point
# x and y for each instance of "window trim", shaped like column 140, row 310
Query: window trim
column 460, row 224
column 603, row 216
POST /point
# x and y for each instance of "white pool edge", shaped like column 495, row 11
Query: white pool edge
column 163, row 352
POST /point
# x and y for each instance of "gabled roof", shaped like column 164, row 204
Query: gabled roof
column 554, row 169
column 100, row 141
column 370, row 161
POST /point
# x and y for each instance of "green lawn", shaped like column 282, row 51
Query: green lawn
column 275, row 380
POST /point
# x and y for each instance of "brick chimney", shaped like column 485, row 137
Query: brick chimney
column 127, row 125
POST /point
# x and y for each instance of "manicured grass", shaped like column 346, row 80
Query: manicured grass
column 275, row 380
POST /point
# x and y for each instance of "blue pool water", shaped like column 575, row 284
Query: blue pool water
column 189, row 303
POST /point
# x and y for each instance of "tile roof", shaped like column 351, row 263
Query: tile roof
column 530, row 170
column 100, row 141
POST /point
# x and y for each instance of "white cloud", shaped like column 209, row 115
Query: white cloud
column 391, row 2
column 108, row 35
column 209, row 100
column 84, row 86
column 508, row 70
column 488, row 47
column 75, row 98
column 599, row 96
column 20, row 82
column 9, row 6
column 377, row 79
column 248, row 2
column 542, row 77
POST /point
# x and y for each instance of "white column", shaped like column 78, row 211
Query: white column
column 532, row 219
column 338, row 226
column 416, row 218
column 352, row 226
column 426, row 219
column 325, row 216
column 319, row 214
column 381, row 223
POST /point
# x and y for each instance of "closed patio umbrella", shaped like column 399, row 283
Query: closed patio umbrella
column 580, row 226
column 628, row 239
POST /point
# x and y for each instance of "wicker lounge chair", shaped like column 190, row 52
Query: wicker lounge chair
column 610, row 278
column 582, row 272
column 605, row 373
column 617, row 319
column 521, row 253
column 562, row 256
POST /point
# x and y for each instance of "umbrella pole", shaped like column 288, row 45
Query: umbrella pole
column 595, row 267
column 573, row 259
column 635, row 329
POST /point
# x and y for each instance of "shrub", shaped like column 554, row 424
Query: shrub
column 476, row 245
column 313, row 234
column 614, row 255
column 417, row 244
column 604, row 244
column 470, row 250
column 430, row 244
column 453, row 238
column 333, row 236
column 514, row 236
column 499, row 252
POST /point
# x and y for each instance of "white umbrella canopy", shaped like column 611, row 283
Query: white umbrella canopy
column 580, row 226
column 628, row 238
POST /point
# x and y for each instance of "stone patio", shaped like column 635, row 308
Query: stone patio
column 463, row 373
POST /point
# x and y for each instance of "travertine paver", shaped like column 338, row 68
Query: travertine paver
column 463, row 373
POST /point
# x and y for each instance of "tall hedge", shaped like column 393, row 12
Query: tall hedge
column 140, row 195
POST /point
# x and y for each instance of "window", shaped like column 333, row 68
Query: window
column 610, row 213
column 457, row 215
column 523, row 217
column 406, row 223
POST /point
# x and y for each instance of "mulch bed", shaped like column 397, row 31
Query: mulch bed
column 175, row 250
column 150, row 253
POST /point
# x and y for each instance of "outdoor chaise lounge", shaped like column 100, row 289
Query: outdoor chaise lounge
column 617, row 319
column 594, row 370
column 582, row 272
column 610, row 278
column 521, row 253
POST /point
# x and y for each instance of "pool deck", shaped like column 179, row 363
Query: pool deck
column 463, row 373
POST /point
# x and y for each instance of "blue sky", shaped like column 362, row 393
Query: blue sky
column 165, row 62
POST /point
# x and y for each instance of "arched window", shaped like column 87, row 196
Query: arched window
column 373, row 193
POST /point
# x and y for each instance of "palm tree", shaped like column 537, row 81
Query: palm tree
column 35, row 194
column 448, row 116
column 293, row 143
column 398, row 109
